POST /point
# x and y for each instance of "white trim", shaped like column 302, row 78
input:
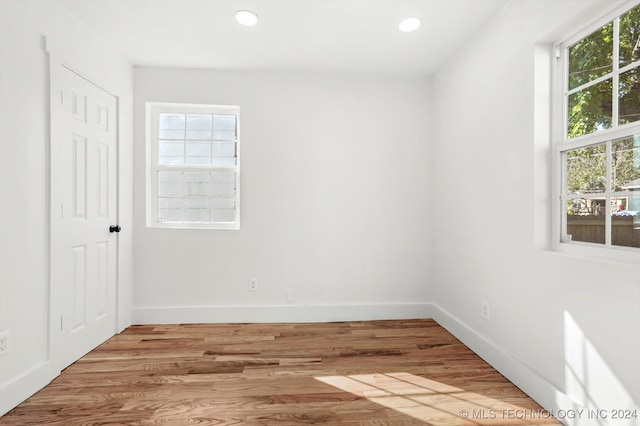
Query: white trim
column 591, row 83
column 538, row 388
column 22, row 387
column 75, row 63
column 549, row 396
column 558, row 123
column 278, row 313
column 600, row 252
column 169, row 107
column 543, row 158
column 562, row 143
column 59, row 59
column 152, row 111
column 601, row 136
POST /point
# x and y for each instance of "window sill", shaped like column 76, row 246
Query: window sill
column 216, row 227
column 617, row 254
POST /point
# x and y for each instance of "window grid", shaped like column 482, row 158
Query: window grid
column 601, row 205
column 193, row 166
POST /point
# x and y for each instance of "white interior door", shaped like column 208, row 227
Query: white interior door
column 83, row 209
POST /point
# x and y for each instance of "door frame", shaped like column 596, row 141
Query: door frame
column 56, row 61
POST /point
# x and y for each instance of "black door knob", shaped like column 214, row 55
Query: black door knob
column 114, row 228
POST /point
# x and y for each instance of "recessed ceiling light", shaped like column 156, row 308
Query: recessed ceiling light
column 246, row 18
column 409, row 24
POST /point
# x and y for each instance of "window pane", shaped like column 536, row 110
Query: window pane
column 171, row 126
column 619, row 206
column 625, row 221
column 633, row 201
column 196, row 183
column 170, row 184
column 586, row 170
column 629, row 32
column 224, row 203
column 225, row 122
column 224, row 153
column 172, row 134
column 194, row 172
column 199, row 126
column 223, row 184
column 625, row 170
column 171, row 148
column 223, row 215
column 223, row 209
column 586, row 220
column 170, row 210
column 171, row 152
column 224, row 128
column 197, row 210
column 198, row 152
column 586, row 207
column 590, row 109
column 591, row 57
column 224, row 135
column 629, row 97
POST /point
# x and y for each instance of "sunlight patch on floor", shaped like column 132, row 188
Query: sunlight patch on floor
column 434, row 402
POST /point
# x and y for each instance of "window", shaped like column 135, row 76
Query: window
column 598, row 133
column 193, row 166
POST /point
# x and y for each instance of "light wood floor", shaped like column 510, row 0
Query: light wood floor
column 406, row 372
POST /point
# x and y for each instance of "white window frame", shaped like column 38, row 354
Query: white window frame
column 153, row 110
column 562, row 144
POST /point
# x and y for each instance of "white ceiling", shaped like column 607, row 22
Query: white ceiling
column 293, row 35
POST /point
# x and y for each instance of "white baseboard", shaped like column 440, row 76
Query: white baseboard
column 284, row 313
column 22, row 387
column 556, row 401
column 534, row 385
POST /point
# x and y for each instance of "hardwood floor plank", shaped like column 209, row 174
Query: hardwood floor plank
column 400, row 372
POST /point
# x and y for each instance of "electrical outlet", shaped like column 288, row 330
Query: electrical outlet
column 253, row 284
column 485, row 310
column 4, row 343
column 291, row 296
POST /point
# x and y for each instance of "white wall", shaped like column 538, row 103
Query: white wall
column 334, row 202
column 561, row 327
column 347, row 199
column 24, row 163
